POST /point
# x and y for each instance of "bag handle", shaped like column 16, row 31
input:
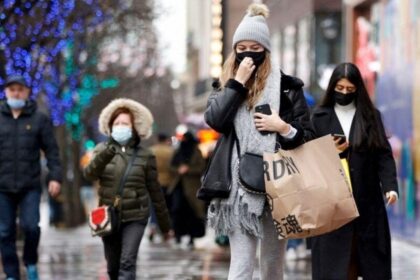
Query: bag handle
column 238, row 146
column 124, row 178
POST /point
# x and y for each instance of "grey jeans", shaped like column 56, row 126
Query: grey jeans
column 121, row 250
column 243, row 248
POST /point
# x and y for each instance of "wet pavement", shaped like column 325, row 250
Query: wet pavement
column 73, row 254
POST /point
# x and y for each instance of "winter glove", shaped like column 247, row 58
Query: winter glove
column 111, row 145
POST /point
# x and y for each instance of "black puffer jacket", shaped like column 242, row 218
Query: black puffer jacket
column 220, row 113
column 21, row 141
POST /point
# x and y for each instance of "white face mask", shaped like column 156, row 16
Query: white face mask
column 122, row 134
column 15, row 103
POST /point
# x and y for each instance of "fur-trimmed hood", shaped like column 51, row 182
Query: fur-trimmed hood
column 143, row 118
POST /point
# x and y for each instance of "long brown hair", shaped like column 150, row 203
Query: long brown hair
column 255, row 84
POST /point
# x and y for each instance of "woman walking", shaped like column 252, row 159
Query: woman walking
column 250, row 79
column 362, row 247
column 126, row 122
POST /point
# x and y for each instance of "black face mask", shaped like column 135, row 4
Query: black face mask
column 344, row 99
column 257, row 57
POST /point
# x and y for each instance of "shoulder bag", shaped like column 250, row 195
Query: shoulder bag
column 105, row 220
column 251, row 171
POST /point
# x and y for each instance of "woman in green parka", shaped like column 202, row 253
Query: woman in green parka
column 125, row 122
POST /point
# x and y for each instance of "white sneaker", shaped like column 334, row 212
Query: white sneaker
column 301, row 252
column 291, row 254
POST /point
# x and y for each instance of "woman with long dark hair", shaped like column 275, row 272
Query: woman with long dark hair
column 362, row 247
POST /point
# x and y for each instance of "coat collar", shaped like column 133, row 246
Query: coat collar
column 329, row 118
column 290, row 82
column 29, row 108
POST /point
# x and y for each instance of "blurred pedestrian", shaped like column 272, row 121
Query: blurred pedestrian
column 163, row 152
column 362, row 247
column 24, row 132
column 251, row 78
column 296, row 250
column 126, row 122
column 188, row 212
column 87, row 188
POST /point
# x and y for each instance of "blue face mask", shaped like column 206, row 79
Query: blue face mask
column 121, row 133
column 16, row 103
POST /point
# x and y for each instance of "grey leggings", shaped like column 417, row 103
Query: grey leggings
column 243, row 249
column 121, row 250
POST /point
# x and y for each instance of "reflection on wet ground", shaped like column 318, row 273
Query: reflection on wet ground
column 74, row 254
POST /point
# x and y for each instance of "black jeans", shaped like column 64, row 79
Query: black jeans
column 121, row 250
column 28, row 204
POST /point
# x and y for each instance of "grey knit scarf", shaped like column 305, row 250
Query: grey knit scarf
column 243, row 209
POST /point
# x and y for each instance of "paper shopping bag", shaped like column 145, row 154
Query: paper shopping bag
column 308, row 190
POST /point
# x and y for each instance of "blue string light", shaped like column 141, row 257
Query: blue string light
column 9, row 3
column 49, row 22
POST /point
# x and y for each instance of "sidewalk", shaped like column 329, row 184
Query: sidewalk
column 73, row 254
column 405, row 260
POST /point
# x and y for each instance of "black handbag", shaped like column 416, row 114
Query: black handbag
column 251, row 171
column 216, row 179
column 106, row 220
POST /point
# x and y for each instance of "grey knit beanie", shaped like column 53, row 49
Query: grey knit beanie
column 254, row 27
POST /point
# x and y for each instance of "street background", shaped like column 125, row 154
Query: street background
column 79, row 55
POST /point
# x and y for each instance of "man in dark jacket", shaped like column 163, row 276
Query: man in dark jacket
column 24, row 132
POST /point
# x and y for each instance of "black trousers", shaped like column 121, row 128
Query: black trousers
column 121, row 250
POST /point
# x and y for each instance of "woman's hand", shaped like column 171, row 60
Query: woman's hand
column 111, row 144
column 245, row 70
column 182, row 169
column 392, row 197
column 271, row 123
column 341, row 147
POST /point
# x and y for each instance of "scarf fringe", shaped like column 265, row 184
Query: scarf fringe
column 224, row 220
column 250, row 222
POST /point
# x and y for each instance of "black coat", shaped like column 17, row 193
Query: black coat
column 21, row 141
column 372, row 173
column 220, row 113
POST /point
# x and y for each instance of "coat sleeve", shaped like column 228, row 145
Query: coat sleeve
column 301, row 122
column 314, row 126
column 102, row 155
column 50, row 148
column 156, row 195
column 387, row 170
column 223, row 105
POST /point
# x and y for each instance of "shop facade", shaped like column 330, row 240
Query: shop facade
column 383, row 39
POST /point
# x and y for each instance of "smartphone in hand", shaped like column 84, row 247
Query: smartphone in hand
column 266, row 110
column 342, row 138
column 263, row 109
